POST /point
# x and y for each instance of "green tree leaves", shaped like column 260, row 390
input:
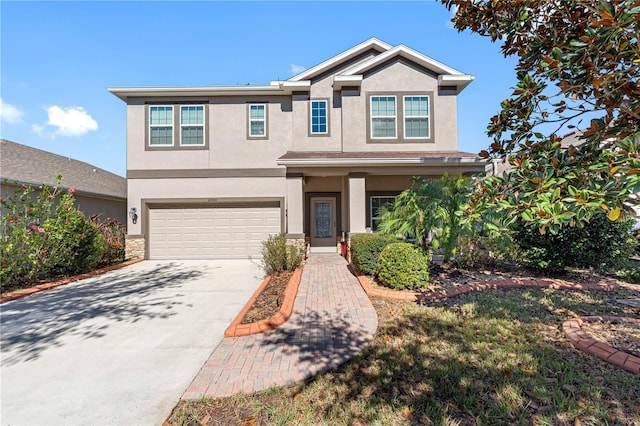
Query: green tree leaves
column 578, row 65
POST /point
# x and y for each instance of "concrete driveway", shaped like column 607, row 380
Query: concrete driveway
column 119, row 348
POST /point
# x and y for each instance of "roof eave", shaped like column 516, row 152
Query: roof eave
column 459, row 81
column 449, row 161
column 372, row 43
column 125, row 93
column 407, row 53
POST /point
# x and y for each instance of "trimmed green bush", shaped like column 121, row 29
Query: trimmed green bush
column 365, row 250
column 279, row 255
column 403, row 266
column 601, row 244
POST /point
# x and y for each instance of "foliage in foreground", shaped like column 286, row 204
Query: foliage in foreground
column 600, row 244
column 114, row 234
column 576, row 60
column 403, row 266
column 279, row 255
column 495, row 358
column 429, row 212
column 365, row 250
column 44, row 235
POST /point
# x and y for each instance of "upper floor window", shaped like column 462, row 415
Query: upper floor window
column 161, row 125
column 416, row 117
column 178, row 126
column 192, row 125
column 383, row 117
column 257, row 120
column 319, row 118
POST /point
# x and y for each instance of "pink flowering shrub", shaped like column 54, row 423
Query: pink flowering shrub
column 43, row 234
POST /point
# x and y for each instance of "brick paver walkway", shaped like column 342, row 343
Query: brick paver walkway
column 332, row 320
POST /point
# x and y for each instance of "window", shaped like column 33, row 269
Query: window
column 257, row 121
column 383, row 117
column 416, row 117
column 192, row 125
column 161, row 125
column 378, row 202
column 319, row 118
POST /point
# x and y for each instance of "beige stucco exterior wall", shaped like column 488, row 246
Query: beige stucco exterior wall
column 399, row 77
column 229, row 146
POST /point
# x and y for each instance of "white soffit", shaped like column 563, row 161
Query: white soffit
column 372, row 43
column 407, row 53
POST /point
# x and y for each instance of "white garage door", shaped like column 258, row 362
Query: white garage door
column 211, row 232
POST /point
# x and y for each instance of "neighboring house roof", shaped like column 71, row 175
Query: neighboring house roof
column 447, row 76
column 26, row 165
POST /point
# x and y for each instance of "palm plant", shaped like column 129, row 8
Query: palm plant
column 428, row 213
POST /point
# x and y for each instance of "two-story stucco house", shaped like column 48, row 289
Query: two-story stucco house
column 212, row 171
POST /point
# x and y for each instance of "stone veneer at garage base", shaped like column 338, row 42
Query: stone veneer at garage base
column 134, row 247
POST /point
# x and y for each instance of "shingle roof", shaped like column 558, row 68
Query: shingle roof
column 25, row 164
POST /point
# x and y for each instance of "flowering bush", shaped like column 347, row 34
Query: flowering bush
column 43, row 234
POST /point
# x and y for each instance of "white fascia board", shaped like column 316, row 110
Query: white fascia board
column 460, row 81
column 340, row 81
column 344, row 56
column 407, row 53
column 162, row 92
column 452, row 161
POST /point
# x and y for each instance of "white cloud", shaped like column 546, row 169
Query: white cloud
column 10, row 114
column 72, row 121
column 297, row 69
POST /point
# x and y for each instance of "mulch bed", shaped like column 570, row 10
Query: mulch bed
column 270, row 299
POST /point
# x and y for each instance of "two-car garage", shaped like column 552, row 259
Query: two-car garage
column 211, row 232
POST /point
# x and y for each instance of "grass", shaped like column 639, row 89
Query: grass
column 492, row 358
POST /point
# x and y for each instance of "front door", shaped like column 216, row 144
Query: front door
column 323, row 222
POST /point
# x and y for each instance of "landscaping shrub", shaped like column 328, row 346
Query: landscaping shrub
column 365, row 250
column 77, row 243
column 601, row 244
column 114, row 236
column 43, row 235
column 279, row 255
column 403, row 266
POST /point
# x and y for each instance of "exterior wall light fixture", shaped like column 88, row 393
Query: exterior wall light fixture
column 133, row 214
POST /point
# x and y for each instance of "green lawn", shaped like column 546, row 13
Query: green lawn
column 491, row 358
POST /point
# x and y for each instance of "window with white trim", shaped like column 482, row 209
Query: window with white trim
column 319, row 121
column 383, row 117
column 257, row 120
column 192, row 125
column 161, row 125
column 416, row 117
column 376, row 203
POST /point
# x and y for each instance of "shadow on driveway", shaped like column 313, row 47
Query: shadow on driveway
column 84, row 309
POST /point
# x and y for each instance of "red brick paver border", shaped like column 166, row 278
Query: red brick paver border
column 332, row 321
column 236, row 329
column 435, row 296
column 573, row 331
column 48, row 286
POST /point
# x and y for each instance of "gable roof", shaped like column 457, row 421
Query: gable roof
column 447, row 77
column 26, row 165
column 368, row 45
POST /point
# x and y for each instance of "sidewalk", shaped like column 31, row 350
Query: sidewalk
column 332, row 321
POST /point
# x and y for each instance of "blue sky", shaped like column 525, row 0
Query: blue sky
column 58, row 58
